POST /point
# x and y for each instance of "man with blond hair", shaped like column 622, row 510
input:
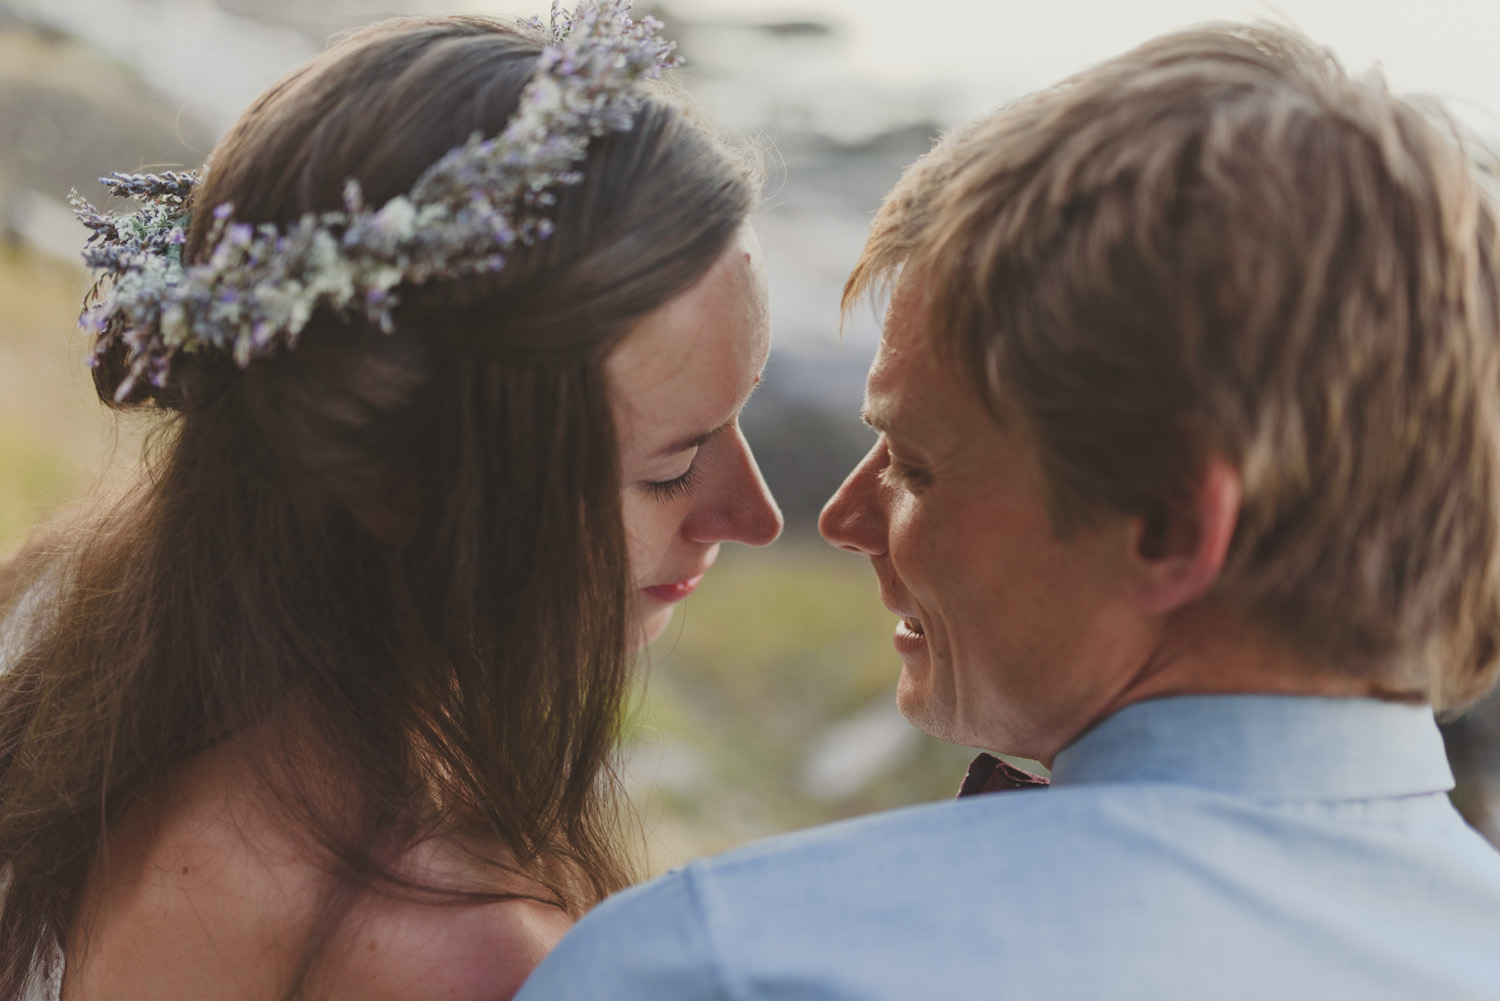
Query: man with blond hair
column 1188, row 486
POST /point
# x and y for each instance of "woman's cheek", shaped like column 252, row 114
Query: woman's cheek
column 637, row 537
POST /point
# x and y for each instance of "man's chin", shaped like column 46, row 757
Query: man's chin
column 914, row 697
column 927, row 707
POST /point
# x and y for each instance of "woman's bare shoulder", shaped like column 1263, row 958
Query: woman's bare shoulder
column 400, row 950
column 194, row 894
column 204, row 894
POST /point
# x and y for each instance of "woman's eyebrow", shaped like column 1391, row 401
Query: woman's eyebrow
column 692, row 441
column 699, row 440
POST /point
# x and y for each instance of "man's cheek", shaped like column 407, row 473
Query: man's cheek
column 917, row 546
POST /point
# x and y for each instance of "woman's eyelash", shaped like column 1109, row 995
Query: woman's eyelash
column 678, row 486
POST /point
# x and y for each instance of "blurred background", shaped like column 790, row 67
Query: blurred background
column 770, row 699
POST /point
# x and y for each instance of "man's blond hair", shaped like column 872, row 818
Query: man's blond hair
column 1219, row 243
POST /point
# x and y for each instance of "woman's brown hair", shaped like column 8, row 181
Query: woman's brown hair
column 392, row 566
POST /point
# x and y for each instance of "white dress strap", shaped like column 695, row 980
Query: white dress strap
column 18, row 628
column 48, row 988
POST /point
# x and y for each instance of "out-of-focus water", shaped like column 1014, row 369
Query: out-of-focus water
column 213, row 63
column 841, row 70
column 962, row 57
column 821, row 82
column 209, row 63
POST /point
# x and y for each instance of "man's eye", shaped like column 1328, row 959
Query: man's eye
column 899, row 474
column 677, row 486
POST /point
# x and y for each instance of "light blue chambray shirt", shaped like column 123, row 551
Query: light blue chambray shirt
column 1199, row 847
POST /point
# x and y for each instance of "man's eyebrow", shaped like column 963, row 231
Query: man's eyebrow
column 876, row 419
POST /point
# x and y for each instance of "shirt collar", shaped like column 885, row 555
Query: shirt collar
column 1272, row 747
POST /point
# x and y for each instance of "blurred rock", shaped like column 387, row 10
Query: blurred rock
column 69, row 115
column 41, row 223
column 853, row 753
column 198, row 58
column 654, row 762
column 804, row 449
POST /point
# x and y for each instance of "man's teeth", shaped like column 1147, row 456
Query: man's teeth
column 915, row 625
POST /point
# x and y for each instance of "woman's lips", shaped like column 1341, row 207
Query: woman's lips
column 668, row 593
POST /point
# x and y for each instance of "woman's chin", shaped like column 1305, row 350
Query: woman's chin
column 652, row 623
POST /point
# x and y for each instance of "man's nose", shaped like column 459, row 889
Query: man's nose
column 854, row 517
column 742, row 508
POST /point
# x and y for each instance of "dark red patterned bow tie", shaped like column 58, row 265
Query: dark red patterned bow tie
column 988, row 773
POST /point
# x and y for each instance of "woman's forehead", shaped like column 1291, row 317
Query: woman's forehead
column 689, row 365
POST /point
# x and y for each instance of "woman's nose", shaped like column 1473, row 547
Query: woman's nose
column 854, row 517
column 741, row 509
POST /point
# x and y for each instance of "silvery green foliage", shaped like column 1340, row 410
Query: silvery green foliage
column 261, row 284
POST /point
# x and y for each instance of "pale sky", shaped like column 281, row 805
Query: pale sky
column 1450, row 48
column 899, row 60
column 963, row 57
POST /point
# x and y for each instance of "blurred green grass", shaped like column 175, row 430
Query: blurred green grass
column 738, row 701
column 769, row 658
column 36, row 479
column 56, row 443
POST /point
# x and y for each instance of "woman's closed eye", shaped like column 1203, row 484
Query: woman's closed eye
column 677, row 486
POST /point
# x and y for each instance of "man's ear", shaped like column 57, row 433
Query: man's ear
column 1177, row 551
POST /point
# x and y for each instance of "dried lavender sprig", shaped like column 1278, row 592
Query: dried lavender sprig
column 261, row 285
column 171, row 186
column 101, row 225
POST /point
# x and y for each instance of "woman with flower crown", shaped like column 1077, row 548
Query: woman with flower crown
column 445, row 352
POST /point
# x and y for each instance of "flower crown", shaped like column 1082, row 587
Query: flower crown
column 261, row 284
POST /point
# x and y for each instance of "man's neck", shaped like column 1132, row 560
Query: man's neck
column 1210, row 649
